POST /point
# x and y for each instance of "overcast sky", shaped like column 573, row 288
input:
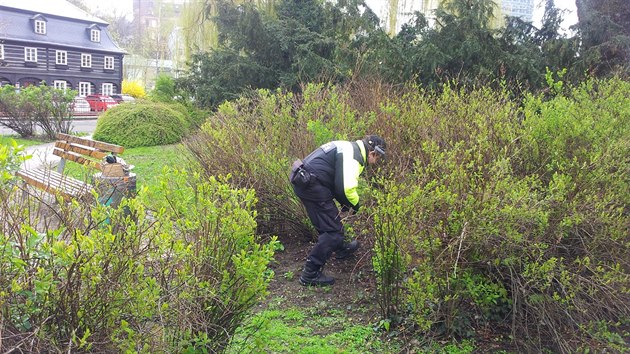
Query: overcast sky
column 120, row 7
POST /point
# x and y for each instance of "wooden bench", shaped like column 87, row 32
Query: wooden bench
column 70, row 148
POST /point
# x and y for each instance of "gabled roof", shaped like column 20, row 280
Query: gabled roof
column 39, row 17
column 67, row 25
column 60, row 8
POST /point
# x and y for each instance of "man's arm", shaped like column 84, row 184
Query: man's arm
column 347, row 171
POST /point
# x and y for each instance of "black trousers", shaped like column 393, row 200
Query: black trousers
column 327, row 221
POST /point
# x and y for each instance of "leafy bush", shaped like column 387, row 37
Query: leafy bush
column 125, row 280
column 43, row 106
column 18, row 109
column 253, row 140
column 10, row 160
column 143, row 123
column 491, row 214
column 518, row 214
column 164, row 90
column 133, row 88
column 223, row 273
column 52, row 108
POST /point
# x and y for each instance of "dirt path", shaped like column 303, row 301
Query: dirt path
column 353, row 291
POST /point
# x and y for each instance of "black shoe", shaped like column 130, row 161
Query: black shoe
column 347, row 250
column 313, row 275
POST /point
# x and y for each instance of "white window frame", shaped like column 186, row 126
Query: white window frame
column 95, row 35
column 40, row 27
column 1, row 51
column 107, row 89
column 86, row 60
column 60, row 85
column 85, row 88
column 108, row 63
column 61, row 57
column 30, row 54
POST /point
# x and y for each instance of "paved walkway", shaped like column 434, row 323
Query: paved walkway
column 42, row 156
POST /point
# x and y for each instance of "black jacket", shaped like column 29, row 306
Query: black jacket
column 336, row 167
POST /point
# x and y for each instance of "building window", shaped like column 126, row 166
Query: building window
column 85, row 89
column 40, row 27
column 30, row 54
column 109, row 63
column 95, row 35
column 107, row 89
column 1, row 51
column 60, row 85
column 86, row 60
column 61, row 57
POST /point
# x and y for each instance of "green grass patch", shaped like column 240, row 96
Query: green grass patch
column 5, row 140
column 293, row 330
column 148, row 162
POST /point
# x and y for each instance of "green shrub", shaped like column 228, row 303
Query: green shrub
column 493, row 215
column 218, row 271
column 513, row 216
column 164, row 90
column 142, row 123
column 254, row 141
column 51, row 108
column 19, row 109
column 10, row 160
column 85, row 278
column 43, row 106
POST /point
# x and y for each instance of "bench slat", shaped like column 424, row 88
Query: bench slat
column 53, row 182
column 77, row 158
column 56, row 178
column 80, row 150
column 92, row 143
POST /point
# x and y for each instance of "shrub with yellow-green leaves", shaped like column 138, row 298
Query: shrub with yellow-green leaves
column 519, row 216
column 177, row 276
column 489, row 215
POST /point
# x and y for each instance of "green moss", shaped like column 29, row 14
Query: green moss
column 143, row 123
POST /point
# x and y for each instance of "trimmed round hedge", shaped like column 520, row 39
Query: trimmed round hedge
column 141, row 123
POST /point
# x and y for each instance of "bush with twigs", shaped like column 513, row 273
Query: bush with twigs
column 178, row 276
column 490, row 215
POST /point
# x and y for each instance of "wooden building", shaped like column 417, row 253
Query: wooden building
column 58, row 43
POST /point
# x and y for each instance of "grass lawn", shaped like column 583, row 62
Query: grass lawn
column 5, row 140
column 148, row 162
column 287, row 329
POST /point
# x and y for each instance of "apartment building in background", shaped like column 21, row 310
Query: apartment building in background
column 524, row 9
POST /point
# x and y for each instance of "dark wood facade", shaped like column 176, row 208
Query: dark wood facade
column 65, row 55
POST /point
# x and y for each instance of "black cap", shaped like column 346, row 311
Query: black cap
column 375, row 143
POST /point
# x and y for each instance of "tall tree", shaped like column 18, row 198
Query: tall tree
column 604, row 26
column 301, row 41
column 80, row 4
column 462, row 45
